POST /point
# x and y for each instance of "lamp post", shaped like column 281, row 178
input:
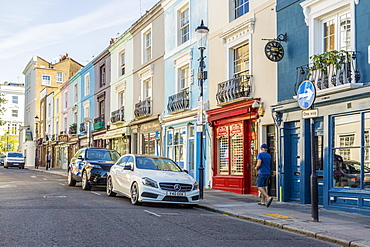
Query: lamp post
column 36, row 145
column 202, row 36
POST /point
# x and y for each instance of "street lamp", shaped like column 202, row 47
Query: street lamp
column 202, row 36
column 36, row 146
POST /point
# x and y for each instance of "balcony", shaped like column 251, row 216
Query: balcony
column 331, row 70
column 99, row 123
column 143, row 108
column 73, row 129
column 118, row 116
column 234, row 90
column 82, row 127
column 179, row 102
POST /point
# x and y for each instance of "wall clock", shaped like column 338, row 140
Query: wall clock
column 274, row 51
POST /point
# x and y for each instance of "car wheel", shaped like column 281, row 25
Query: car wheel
column 19, row 167
column 85, row 182
column 135, row 194
column 110, row 188
column 6, row 167
column 70, row 180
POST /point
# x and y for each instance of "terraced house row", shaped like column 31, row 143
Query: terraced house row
column 151, row 92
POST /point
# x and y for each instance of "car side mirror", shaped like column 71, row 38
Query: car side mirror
column 127, row 167
column 80, row 157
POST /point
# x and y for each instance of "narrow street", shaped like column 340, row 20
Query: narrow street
column 39, row 209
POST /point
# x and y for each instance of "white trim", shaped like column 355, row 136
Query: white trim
column 178, row 10
column 146, row 30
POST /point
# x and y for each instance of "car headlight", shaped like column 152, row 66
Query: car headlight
column 91, row 166
column 195, row 186
column 149, row 182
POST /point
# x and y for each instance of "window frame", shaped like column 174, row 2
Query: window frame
column 184, row 27
column 59, row 77
column 44, row 81
column 236, row 7
column 122, row 62
column 87, row 84
column 15, row 99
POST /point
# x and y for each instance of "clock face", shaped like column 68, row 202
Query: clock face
column 274, row 51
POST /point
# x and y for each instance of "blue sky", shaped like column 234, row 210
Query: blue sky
column 49, row 28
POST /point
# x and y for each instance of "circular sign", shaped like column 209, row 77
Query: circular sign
column 306, row 94
column 274, row 51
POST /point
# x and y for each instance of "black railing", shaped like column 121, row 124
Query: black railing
column 99, row 122
column 143, row 108
column 73, row 129
column 179, row 101
column 235, row 89
column 343, row 71
column 82, row 127
column 118, row 115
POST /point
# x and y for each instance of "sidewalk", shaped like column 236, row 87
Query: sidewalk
column 346, row 229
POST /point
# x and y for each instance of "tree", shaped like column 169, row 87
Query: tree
column 8, row 142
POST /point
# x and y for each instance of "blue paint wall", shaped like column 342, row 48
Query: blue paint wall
column 89, row 68
column 362, row 13
column 290, row 20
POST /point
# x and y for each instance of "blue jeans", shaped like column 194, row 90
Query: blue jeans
column 262, row 180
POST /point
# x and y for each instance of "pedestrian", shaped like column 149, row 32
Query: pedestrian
column 264, row 171
column 48, row 160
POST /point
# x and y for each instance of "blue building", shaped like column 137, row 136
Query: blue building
column 86, row 105
column 328, row 45
column 179, row 120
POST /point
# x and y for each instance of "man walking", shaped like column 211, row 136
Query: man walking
column 48, row 161
column 264, row 170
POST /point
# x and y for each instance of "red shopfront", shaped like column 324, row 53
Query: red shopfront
column 235, row 147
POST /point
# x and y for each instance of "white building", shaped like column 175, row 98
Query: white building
column 13, row 93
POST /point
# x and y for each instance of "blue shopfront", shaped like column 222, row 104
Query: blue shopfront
column 341, row 149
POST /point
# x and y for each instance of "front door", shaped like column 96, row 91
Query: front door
column 292, row 164
column 191, row 158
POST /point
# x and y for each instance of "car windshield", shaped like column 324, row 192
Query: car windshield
column 15, row 155
column 100, row 154
column 157, row 163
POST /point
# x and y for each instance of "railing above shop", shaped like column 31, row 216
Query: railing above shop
column 234, row 90
column 143, row 108
column 179, row 102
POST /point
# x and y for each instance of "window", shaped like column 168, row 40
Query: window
column 241, row 7
column 86, row 111
column 101, row 108
column 121, row 99
column 15, row 99
column 87, row 84
column 123, row 63
column 65, row 100
column 14, row 128
column 102, row 75
column 176, row 145
column 148, row 46
column 241, row 60
column 337, row 33
column 59, row 77
column 184, row 77
column 75, row 88
column 351, row 165
column 147, row 90
column 45, row 80
column 14, row 113
column 149, row 143
column 57, row 106
column 184, row 26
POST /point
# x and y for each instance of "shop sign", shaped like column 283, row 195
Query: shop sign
column 63, row 138
column 222, row 131
column 236, row 129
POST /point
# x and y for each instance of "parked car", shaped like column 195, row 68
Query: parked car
column 2, row 157
column 91, row 166
column 14, row 159
column 151, row 179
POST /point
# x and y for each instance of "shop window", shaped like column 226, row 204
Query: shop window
column 230, row 149
column 149, row 143
column 176, row 145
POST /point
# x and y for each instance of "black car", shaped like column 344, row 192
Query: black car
column 91, row 166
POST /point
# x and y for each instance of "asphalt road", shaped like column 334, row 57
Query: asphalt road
column 39, row 209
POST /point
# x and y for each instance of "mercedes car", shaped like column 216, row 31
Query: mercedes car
column 154, row 179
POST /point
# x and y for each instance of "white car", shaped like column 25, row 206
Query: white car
column 151, row 179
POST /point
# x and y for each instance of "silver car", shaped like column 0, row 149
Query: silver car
column 14, row 159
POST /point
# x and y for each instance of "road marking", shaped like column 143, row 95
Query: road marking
column 54, row 196
column 33, row 176
column 45, row 179
column 152, row 213
column 7, row 186
column 96, row 193
column 62, row 184
column 280, row 216
column 171, row 213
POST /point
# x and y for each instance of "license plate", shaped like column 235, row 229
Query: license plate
column 175, row 193
column 15, row 164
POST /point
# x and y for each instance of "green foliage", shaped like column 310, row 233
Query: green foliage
column 8, row 143
column 324, row 60
column 3, row 101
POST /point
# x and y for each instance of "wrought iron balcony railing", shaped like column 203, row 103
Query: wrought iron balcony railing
column 118, row 115
column 233, row 90
column 99, row 123
column 143, row 108
column 179, row 101
column 341, row 70
column 82, row 127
